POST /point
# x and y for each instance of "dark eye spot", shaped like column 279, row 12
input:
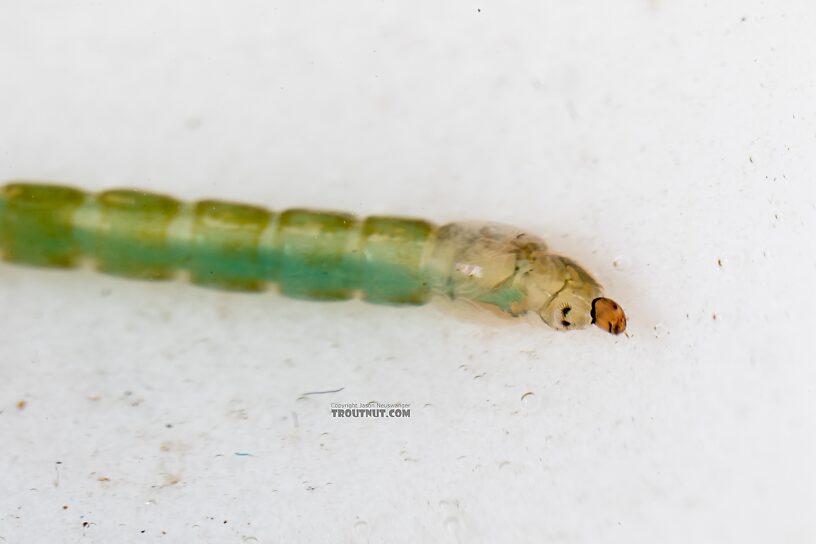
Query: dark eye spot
column 565, row 323
column 614, row 306
column 565, row 310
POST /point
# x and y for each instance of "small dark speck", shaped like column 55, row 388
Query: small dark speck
column 714, row 317
column 479, row 10
column 225, row 522
column 85, row 524
column 743, row 19
column 719, row 263
column 750, row 158
column 65, row 507
column 142, row 531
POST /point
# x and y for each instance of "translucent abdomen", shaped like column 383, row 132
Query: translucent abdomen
column 135, row 234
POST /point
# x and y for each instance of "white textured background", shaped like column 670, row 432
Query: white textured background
column 660, row 135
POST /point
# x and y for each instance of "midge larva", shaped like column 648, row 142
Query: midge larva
column 308, row 254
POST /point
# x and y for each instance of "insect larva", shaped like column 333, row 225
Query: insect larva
column 308, row 254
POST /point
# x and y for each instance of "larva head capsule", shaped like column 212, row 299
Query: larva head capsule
column 608, row 315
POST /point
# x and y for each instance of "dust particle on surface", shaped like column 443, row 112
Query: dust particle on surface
column 170, row 480
column 21, row 404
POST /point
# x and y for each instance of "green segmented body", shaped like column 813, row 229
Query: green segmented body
column 308, row 254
